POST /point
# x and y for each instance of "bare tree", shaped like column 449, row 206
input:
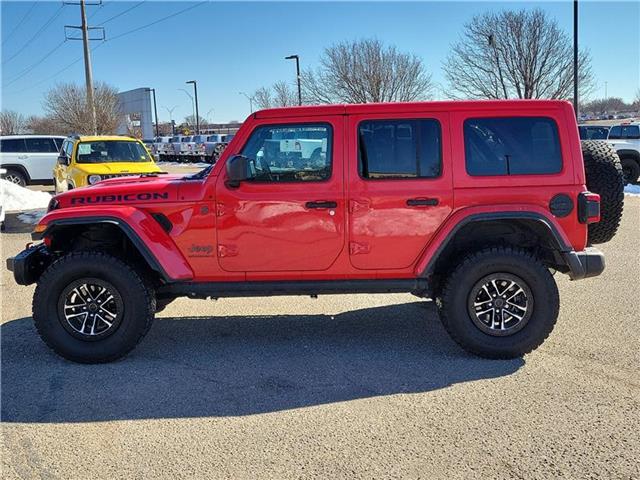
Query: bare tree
column 636, row 100
column 11, row 122
column 66, row 104
column 262, row 98
column 366, row 71
column 191, row 120
column 515, row 54
column 281, row 94
column 46, row 126
column 606, row 105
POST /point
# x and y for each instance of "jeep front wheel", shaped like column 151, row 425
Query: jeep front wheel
column 500, row 302
column 90, row 307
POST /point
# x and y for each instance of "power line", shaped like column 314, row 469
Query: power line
column 55, row 15
column 64, row 69
column 122, row 13
column 15, row 29
column 179, row 12
column 28, row 69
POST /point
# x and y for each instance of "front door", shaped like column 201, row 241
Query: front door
column 400, row 187
column 290, row 216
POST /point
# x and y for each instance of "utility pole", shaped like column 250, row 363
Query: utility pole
column 575, row 56
column 297, row 59
column 195, row 91
column 88, row 74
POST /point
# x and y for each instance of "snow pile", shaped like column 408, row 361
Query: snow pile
column 16, row 198
column 633, row 190
column 32, row 217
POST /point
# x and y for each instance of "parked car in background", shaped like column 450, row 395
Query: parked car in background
column 29, row 159
column 162, row 147
column 182, row 147
column 214, row 145
column 2, row 209
column 198, row 149
column 594, row 132
column 87, row 160
column 624, row 138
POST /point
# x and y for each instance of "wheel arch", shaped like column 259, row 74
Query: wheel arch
column 169, row 265
column 530, row 230
column 20, row 168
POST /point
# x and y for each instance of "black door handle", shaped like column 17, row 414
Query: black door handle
column 321, row 204
column 422, row 202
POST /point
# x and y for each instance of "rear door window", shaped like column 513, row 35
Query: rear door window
column 630, row 132
column 41, row 145
column 399, row 149
column 615, row 132
column 13, row 145
column 512, row 146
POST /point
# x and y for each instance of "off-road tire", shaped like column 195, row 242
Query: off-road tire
column 137, row 296
column 604, row 177
column 16, row 177
column 453, row 302
column 630, row 169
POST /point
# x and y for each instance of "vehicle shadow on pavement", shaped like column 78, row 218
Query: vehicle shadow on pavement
column 243, row 365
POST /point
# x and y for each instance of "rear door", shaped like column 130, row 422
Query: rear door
column 43, row 155
column 290, row 216
column 399, row 187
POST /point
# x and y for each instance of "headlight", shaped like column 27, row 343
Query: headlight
column 94, row 179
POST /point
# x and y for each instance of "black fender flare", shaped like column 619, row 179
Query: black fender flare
column 544, row 223
column 126, row 229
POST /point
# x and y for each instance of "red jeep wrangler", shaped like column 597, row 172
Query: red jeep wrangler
column 472, row 204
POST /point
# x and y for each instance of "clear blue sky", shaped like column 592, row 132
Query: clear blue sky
column 230, row 47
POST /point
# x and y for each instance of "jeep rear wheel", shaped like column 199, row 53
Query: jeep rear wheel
column 604, row 177
column 499, row 303
column 90, row 307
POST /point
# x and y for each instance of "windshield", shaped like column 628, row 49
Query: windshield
column 105, row 151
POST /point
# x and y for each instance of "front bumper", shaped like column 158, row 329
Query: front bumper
column 585, row 264
column 29, row 264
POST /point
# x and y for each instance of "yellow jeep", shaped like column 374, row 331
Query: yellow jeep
column 85, row 160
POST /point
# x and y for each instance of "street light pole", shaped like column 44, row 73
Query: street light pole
column 170, row 112
column 297, row 59
column 195, row 91
column 155, row 108
column 193, row 107
column 250, row 100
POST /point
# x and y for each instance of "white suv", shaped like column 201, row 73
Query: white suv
column 29, row 159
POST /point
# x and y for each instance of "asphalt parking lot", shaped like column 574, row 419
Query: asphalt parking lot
column 358, row 386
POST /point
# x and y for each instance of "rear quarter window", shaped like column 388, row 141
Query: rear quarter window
column 512, row 146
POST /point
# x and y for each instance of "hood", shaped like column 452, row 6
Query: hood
column 124, row 190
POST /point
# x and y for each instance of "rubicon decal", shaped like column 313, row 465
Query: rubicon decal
column 127, row 197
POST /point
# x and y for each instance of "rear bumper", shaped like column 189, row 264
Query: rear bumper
column 29, row 264
column 585, row 264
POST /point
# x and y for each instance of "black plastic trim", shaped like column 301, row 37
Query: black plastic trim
column 29, row 264
column 482, row 217
column 585, row 264
column 125, row 227
column 418, row 287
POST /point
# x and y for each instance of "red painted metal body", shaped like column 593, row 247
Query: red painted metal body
column 263, row 231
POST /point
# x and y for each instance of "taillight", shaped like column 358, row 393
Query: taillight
column 588, row 207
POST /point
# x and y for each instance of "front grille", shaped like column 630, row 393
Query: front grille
column 118, row 175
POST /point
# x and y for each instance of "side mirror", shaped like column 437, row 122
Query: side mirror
column 238, row 170
column 63, row 159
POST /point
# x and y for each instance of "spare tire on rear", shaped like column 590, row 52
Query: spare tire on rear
column 604, row 177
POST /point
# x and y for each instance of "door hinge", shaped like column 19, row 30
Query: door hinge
column 358, row 248
column 358, row 205
column 227, row 250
